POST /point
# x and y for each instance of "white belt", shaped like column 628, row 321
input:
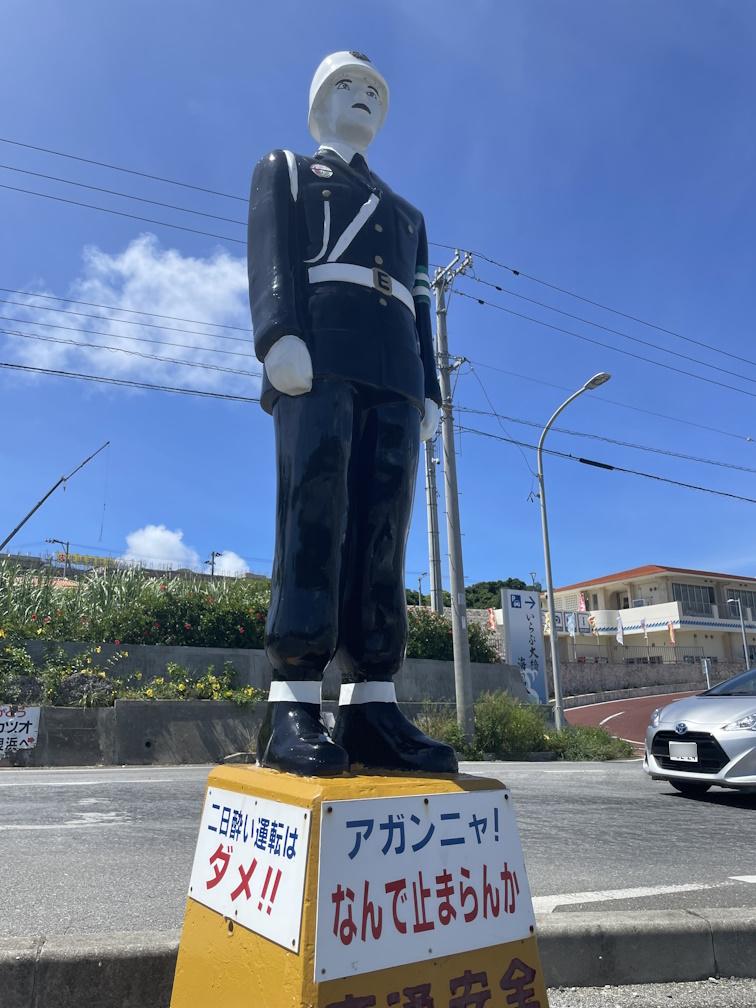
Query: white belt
column 377, row 278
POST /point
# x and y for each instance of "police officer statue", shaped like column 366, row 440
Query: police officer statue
column 340, row 302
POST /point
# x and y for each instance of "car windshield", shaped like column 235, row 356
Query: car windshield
column 740, row 685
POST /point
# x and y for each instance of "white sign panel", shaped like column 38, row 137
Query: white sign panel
column 250, row 863
column 19, row 728
column 407, row 879
column 523, row 639
column 583, row 625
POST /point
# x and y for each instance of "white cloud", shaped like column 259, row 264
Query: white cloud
column 161, row 282
column 230, row 564
column 158, row 547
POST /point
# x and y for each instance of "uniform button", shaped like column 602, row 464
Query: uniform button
column 326, row 193
column 379, row 260
column 383, row 301
column 378, row 227
column 410, row 229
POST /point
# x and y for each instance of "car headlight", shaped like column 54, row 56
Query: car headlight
column 656, row 717
column 746, row 723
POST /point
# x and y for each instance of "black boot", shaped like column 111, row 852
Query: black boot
column 294, row 739
column 378, row 736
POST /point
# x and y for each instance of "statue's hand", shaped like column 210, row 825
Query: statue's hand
column 289, row 366
column 430, row 421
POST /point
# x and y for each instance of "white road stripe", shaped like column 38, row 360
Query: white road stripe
column 618, row 714
column 60, row 826
column 83, row 783
column 546, row 904
column 744, row 878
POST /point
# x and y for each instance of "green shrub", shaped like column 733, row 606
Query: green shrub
column 585, row 743
column 430, row 636
column 506, row 727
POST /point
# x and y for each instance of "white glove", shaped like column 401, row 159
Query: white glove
column 289, row 366
column 429, row 423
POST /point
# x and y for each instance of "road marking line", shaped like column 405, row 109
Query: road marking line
column 59, row 826
column 618, row 714
column 546, row 904
column 744, row 878
column 81, row 783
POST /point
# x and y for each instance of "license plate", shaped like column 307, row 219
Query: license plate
column 685, row 752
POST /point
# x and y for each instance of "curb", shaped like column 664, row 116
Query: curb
column 135, row 970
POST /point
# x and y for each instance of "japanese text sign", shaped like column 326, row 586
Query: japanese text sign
column 250, row 863
column 523, row 639
column 19, row 728
column 405, row 879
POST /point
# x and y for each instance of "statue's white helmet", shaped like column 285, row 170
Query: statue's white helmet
column 337, row 65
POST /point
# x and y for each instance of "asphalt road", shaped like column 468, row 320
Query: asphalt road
column 627, row 719
column 111, row 849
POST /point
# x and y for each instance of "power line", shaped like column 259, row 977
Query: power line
column 105, row 318
column 129, row 171
column 139, row 339
column 618, row 332
column 121, row 213
column 607, row 440
column 605, row 465
column 124, row 382
column 114, row 192
column 613, row 402
column 626, row 353
column 130, row 311
column 132, row 353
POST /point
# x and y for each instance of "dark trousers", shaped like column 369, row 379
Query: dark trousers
column 346, row 466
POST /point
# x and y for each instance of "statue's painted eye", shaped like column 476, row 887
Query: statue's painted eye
column 342, row 86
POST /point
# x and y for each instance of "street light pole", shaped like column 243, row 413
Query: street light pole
column 420, row 588
column 742, row 629
column 59, row 542
column 597, row 380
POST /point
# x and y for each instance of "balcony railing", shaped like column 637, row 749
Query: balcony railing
column 636, row 655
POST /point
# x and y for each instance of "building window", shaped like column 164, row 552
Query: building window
column 594, row 601
column 747, row 600
column 696, row 600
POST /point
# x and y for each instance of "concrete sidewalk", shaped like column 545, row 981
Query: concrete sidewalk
column 577, row 950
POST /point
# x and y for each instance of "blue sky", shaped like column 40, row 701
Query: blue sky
column 604, row 149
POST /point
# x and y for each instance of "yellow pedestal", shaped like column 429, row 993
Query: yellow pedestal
column 222, row 964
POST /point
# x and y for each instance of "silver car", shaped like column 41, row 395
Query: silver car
column 706, row 739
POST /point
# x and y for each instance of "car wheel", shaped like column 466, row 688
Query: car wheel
column 692, row 789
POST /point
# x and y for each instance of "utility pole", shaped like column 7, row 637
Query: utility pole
column 420, row 589
column 434, row 546
column 211, row 561
column 462, row 677
column 59, row 542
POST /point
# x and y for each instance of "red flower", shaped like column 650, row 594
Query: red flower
column 157, row 626
column 116, row 642
column 60, row 611
column 83, row 619
column 162, row 587
column 241, row 629
column 34, row 616
column 47, row 619
column 144, row 633
column 187, row 626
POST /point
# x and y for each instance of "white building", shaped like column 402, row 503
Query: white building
column 659, row 614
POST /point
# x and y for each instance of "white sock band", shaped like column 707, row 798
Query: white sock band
column 294, row 692
column 366, row 692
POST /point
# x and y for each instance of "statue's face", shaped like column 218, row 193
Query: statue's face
column 351, row 110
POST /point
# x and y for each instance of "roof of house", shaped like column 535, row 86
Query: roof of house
column 649, row 569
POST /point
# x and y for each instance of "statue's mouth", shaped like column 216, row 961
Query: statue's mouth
column 362, row 106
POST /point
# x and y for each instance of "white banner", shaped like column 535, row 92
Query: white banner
column 250, row 863
column 19, row 728
column 407, row 879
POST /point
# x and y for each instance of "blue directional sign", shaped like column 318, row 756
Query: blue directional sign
column 523, row 640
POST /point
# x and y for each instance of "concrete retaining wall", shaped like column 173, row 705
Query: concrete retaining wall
column 577, row 950
column 418, row 679
column 594, row 678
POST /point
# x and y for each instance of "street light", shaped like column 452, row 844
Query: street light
column 420, row 588
column 742, row 629
column 594, row 383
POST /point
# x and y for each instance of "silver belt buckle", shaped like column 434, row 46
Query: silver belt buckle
column 382, row 280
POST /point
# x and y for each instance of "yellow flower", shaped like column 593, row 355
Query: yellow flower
column 126, row 654
column 102, row 675
column 149, row 692
column 181, row 687
column 2, row 632
column 98, row 649
column 40, row 630
column 139, row 675
column 89, row 661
